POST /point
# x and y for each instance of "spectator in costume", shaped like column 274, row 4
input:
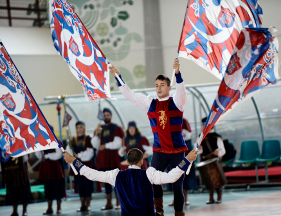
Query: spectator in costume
column 212, row 146
column 189, row 182
column 134, row 139
column 16, row 179
column 108, row 140
column 81, row 147
column 51, row 173
column 134, row 185
column 166, row 117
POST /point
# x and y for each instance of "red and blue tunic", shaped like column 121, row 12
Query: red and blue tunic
column 166, row 123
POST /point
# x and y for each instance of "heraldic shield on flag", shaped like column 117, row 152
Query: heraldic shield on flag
column 211, row 29
column 75, row 44
column 23, row 128
column 253, row 65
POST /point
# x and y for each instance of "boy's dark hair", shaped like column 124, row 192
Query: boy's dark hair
column 134, row 156
column 163, row 77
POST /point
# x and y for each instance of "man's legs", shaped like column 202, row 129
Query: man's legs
column 175, row 159
column 159, row 161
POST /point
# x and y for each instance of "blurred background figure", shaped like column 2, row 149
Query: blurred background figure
column 81, row 147
column 16, row 180
column 108, row 140
column 51, row 173
column 212, row 146
column 134, row 139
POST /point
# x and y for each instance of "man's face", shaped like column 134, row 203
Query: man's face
column 107, row 117
column 162, row 89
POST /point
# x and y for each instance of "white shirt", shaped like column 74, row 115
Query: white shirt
column 113, row 145
column 153, row 175
column 147, row 150
column 52, row 156
column 83, row 155
column 143, row 102
column 221, row 149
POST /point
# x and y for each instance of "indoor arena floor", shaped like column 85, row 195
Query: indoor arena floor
column 238, row 202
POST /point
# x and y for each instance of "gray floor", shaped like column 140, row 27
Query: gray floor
column 197, row 200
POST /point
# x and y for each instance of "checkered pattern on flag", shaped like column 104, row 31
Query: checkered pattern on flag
column 211, row 29
column 253, row 65
column 23, row 128
column 75, row 44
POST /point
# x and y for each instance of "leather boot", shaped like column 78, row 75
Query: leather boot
column 211, row 197
column 88, row 203
column 49, row 209
column 158, row 202
column 15, row 210
column 179, row 213
column 108, row 202
column 219, row 192
column 83, row 205
column 117, row 206
column 58, row 206
column 186, row 202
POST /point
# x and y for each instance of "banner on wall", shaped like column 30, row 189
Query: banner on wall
column 253, row 66
column 211, row 29
column 75, row 44
column 23, row 128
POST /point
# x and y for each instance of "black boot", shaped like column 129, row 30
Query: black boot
column 211, row 197
column 49, row 209
column 158, row 202
column 108, row 204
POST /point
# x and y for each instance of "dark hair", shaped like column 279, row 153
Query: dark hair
column 134, row 156
column 203, row 120
column 163, row 77
column 136, row 134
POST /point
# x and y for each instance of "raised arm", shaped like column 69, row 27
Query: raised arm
column 92, row 174
column 158, row 177
column 179, row 97
column 139, row 100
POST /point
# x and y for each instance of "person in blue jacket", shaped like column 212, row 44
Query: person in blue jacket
column 134, row 185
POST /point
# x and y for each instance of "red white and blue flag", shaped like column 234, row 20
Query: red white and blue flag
column 253, row 65
column 211, row 29
column 23, row 128
column 75, row 44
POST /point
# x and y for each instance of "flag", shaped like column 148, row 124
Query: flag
column 253, row 65
column 75, row 44
column 23, row 128
column 66, row 119
column 211, row 29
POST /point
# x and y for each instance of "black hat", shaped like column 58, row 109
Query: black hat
column 203, row 120
column 107, row 110
column 79, row 123
column 132, row 123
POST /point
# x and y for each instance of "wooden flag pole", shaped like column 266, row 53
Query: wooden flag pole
column 173, row 75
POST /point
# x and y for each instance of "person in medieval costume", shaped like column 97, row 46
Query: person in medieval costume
column 108, row 140
column 166, row 117
column 134, row 185
column 81, row 147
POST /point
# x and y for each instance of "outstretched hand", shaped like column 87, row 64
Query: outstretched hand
column 68, row 157
column 176, row 66
column 114, row 70
column 192, row 155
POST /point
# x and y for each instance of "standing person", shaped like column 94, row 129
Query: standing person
column 134, row 139
column 133, row 185
column 189, row 182
column 16, row 179
column 212, row 146
column 108, row 140
column 51, row 173
column 81, row 147
column 166, row 117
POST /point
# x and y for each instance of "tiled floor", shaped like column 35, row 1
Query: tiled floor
column 238, row 202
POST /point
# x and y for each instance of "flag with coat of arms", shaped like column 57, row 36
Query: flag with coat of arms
column 23, row 128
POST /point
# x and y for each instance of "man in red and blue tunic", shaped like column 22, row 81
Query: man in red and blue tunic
column 108, row 140
column 166, row 118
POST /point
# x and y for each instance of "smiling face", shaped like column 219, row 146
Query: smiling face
column 162, row 88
